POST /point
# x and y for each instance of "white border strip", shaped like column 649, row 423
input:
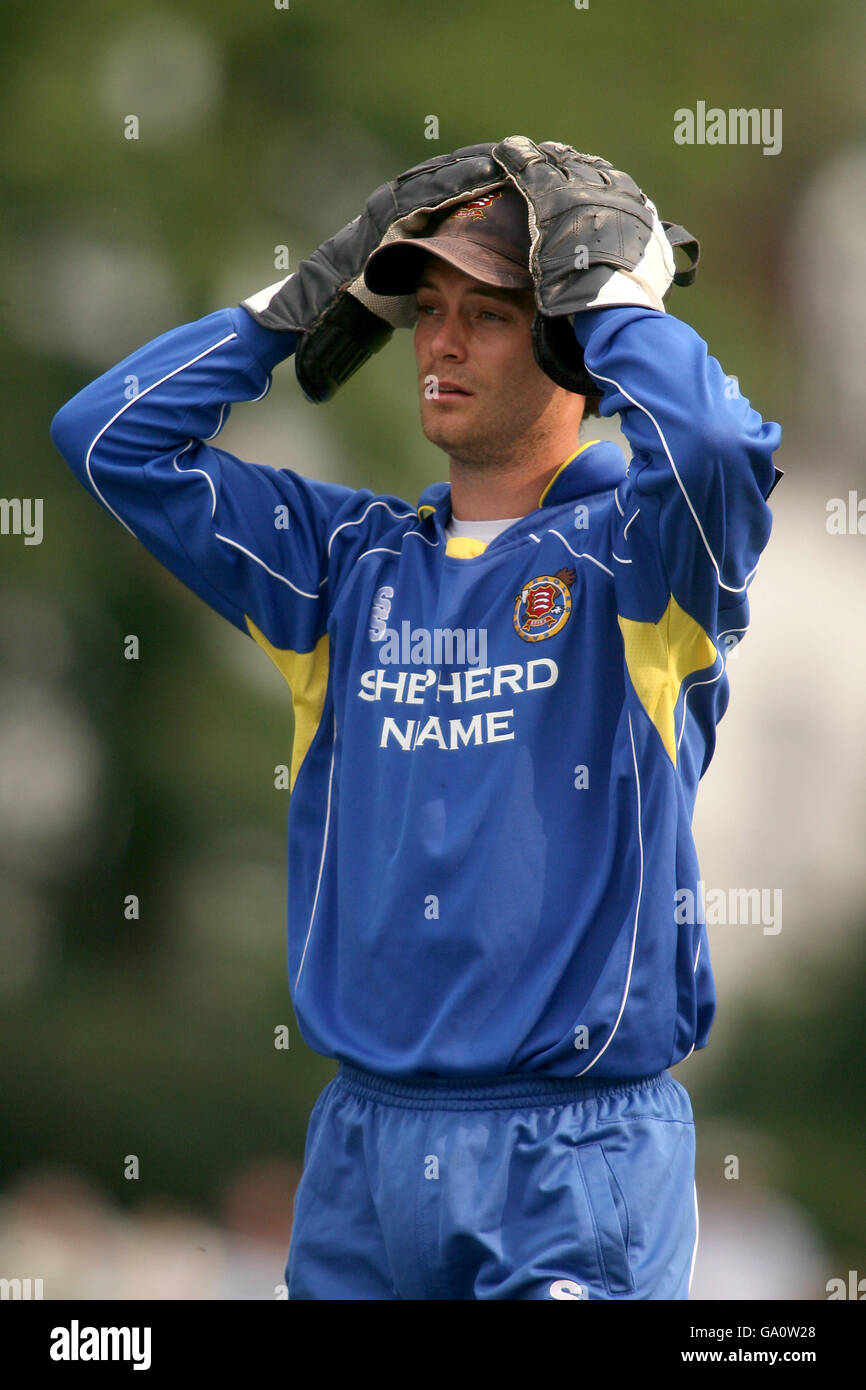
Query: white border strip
column 636, row 911
column 697, row 1237
column 324, row 851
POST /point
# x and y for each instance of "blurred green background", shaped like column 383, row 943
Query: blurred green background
column 260, row 127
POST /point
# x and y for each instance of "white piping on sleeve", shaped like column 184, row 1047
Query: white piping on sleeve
column 202, row 471
column 140, row 396
column 261, row 397
column 727, row 632
column 689, row 688
column 379, row 550
column 223, row 408
column 711, row 680
column 359, row 519
column 237, row 545
column 732, row 589
column 580, row 554
column 388, row 550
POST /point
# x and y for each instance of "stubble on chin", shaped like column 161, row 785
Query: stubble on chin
column 467, row 449
column 469, row 445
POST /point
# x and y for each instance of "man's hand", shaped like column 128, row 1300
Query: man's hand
column 340, row 322
column 597, row 242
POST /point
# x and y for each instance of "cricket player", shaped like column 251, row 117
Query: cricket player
column 504, row 698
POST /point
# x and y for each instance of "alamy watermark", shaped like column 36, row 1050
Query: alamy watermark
column 22, row 516
column 432, row 646
column 77, row 1343
column 729, row 907
column 846, row 518
column 423, row 646
column 854, row 1288
column 736, row 126
column 21, row 1289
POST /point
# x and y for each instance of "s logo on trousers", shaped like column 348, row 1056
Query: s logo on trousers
column 567, row 1288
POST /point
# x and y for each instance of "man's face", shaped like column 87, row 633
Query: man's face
column 487, row 396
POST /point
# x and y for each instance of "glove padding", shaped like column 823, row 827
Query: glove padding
column 596, row 242
column 341, row 323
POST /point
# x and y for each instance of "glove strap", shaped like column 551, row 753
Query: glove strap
column 334, row 348
column 678, row 236
column 560, row 356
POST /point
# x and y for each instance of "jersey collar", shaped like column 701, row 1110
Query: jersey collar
column 595, row 466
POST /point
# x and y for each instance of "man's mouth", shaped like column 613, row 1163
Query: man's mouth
column 450, row 389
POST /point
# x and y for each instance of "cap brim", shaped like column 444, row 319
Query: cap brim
column 396, row 268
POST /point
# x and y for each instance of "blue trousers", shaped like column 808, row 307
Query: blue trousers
column 519, row 1187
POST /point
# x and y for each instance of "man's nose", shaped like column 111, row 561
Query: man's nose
column 449, row 340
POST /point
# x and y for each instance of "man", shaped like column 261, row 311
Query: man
column 504, row 700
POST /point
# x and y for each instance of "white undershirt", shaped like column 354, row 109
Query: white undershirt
column 485, row 531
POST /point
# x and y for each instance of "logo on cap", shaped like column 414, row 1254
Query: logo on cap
column 475, row 208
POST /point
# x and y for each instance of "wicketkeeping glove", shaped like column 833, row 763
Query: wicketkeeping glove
column 340, row 322
column 596, row 241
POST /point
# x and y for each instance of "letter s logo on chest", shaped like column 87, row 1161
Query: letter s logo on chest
column 379, row 611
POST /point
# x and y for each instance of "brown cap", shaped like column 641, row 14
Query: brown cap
column 486, row 237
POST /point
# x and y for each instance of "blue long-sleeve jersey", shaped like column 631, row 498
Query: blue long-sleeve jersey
column 496, row 754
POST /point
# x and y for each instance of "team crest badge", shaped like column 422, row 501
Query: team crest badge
column 475, row 209
column 543, row 606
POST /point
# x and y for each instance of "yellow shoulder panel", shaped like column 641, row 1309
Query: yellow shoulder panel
column 659, row 656
column 306, row 674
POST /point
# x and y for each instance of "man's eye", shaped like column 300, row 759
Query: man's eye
column 491, row 314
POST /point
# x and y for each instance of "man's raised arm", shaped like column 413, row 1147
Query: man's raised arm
column 693, row 513
column 251, row 540
column 248, row 539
